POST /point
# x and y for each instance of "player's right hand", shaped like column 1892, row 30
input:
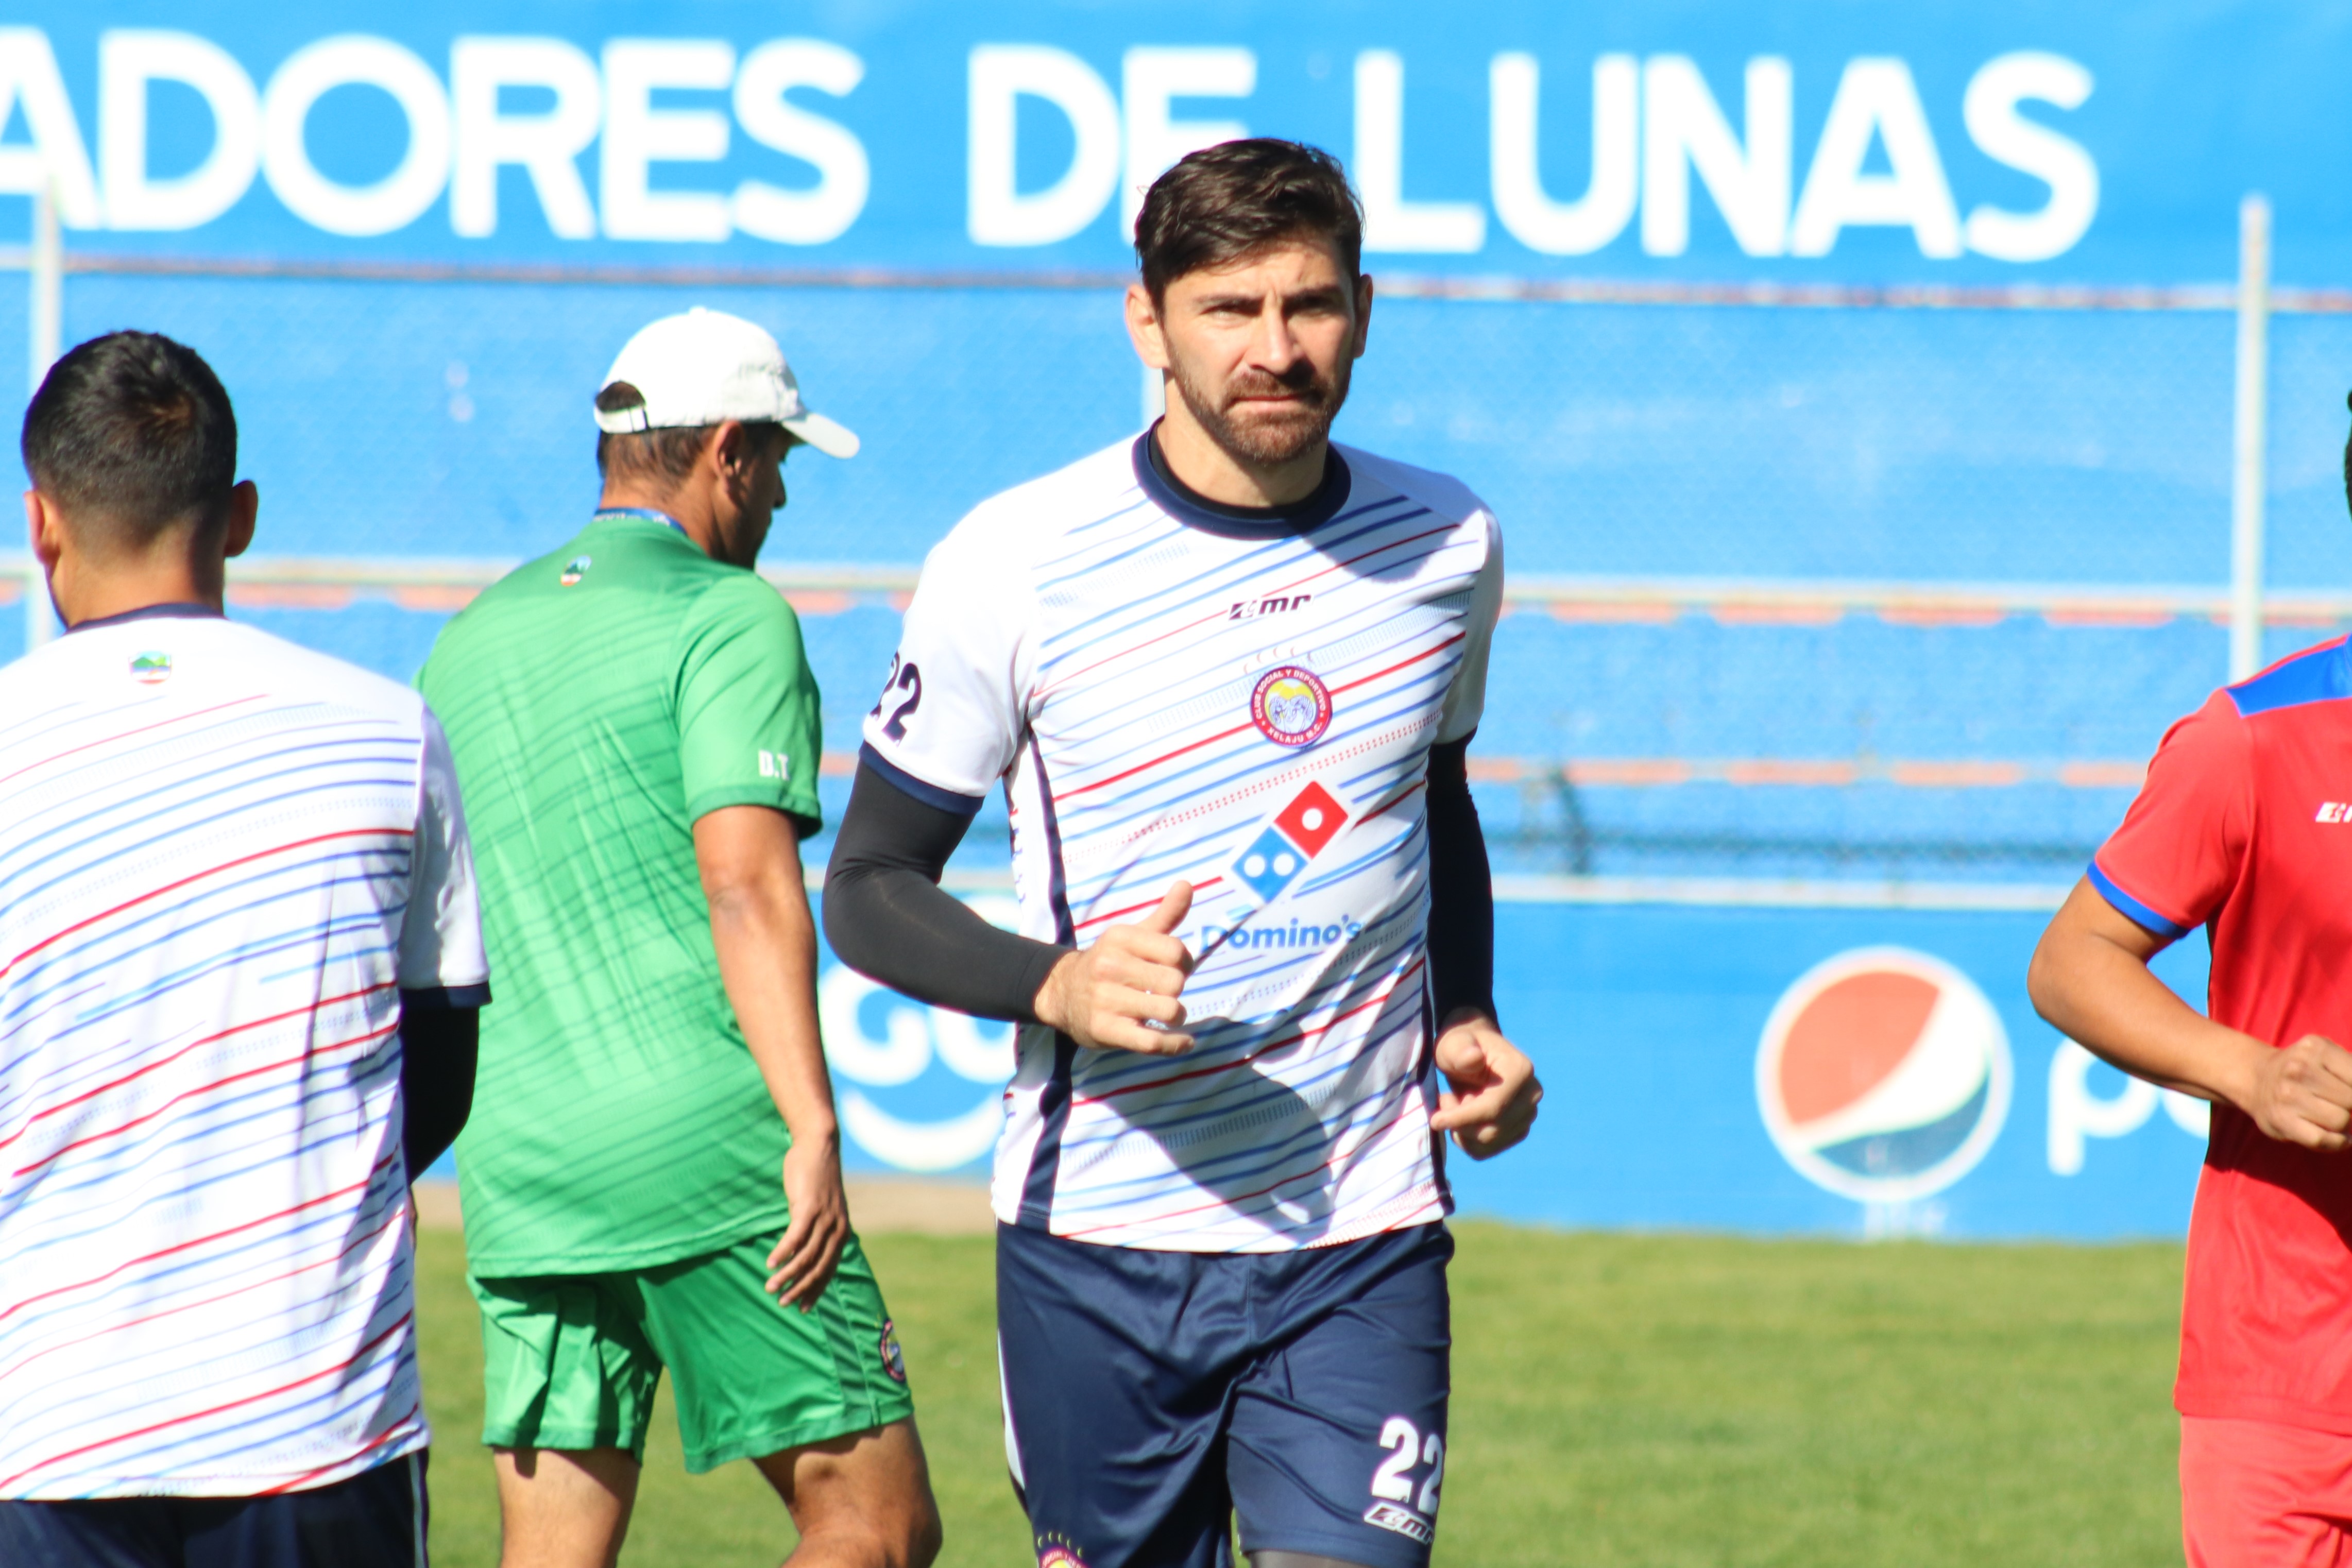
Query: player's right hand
column 2302, row 1094
column 1122, row 994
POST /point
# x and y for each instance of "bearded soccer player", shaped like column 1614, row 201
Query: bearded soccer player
column 239, row 973
column 657, row 1150
column 2239, row 829
column 1226, row 673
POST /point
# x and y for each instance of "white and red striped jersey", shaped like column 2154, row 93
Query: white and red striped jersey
column 223, row 859
column 1167, row 690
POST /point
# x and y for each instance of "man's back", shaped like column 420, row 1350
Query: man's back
column 595, row 703
column 222, row 859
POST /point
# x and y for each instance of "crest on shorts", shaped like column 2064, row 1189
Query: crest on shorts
column 152, row 669
column 1058, row 1551
column 1291, row 706
column 576, row 569
column 894, row 1359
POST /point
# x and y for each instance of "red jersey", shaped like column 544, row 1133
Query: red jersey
column 2244, row 827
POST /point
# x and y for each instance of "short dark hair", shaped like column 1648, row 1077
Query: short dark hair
column 132, row 435
column 665, row 456
column 1225, row 202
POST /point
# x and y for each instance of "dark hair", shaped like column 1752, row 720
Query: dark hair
column 132, row 434
column 665, row 456
column 1225, row 202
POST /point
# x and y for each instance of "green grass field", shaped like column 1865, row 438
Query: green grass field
column 1618, row 1401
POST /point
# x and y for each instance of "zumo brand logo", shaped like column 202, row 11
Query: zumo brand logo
column 1404, row 1521
column 1884, row 1075
column 1291, row 707
column 152, row 669
column 1251, row 609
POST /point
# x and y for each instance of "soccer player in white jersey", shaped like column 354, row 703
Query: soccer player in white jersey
column 240, row 969
column 1226, row 673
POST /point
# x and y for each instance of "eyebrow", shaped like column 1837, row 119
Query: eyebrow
column 1331, row 294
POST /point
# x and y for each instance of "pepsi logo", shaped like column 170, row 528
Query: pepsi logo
column 1884, row 1075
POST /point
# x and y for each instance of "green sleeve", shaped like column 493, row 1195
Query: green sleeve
column 747, row 724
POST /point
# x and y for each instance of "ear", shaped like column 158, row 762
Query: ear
column 730, row 447
column 244, row 505
column 1143, row 328
column 1363, row 311
column 45, row 529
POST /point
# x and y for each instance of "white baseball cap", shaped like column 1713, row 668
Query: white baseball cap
column 707, row 367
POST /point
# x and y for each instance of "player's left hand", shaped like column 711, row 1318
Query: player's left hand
column 1493, row 1094
column 804, row 1261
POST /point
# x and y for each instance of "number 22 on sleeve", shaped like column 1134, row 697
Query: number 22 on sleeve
column 903, row 677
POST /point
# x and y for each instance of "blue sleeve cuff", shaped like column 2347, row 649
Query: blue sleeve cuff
column 931, row 795
column 444, row 998
column 2132, row 909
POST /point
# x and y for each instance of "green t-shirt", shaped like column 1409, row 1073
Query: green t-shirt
column 598, row 701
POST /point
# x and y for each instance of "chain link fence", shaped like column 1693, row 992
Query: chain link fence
column 1818, row 586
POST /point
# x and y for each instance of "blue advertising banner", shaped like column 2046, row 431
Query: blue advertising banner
column 1863, row 1072
column 1798, row 139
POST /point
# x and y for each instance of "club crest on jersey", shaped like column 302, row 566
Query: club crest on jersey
column 1291, row 707
column 1058, row 1551
column 1277, row 856
column 152, row 669
column 576, row 569
column 894, row 1359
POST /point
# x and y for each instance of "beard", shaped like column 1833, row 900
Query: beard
column 1266, row 434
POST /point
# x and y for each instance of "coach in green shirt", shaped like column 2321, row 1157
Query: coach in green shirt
column 636, row 733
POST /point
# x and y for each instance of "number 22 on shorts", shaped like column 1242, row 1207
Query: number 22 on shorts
column 1395, row 1505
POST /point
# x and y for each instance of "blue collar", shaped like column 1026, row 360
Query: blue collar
column 642, row 513
column 1188, row 506
column 178, row 611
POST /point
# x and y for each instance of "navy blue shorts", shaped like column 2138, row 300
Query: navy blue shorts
column 1151, row 1396
column 374, row 1519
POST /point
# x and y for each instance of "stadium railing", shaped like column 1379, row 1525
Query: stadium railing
column 1692, row 735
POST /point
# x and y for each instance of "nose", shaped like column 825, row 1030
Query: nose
column 1273, row 345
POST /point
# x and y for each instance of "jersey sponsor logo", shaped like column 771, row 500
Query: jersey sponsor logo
column 152, row 669
column 1291, row 707
column 1884, row 1075
column 2334, row 811
column 1295, row 935
column 1299, row 832
column 1273, row 604
column 894, row 1359
column 576, row 569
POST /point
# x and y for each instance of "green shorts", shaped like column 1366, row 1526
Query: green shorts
column 570, row 1360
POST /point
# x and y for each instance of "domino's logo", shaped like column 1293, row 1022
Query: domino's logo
column 1299, row 832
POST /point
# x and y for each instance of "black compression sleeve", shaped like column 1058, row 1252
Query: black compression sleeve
column 1461, row 888
column 438, row 1048
column 888, row 918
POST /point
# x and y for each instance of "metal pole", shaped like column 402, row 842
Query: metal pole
column 45, row 328
column 2250, row 447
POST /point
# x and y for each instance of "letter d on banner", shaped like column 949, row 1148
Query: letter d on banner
column 1001, row 75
